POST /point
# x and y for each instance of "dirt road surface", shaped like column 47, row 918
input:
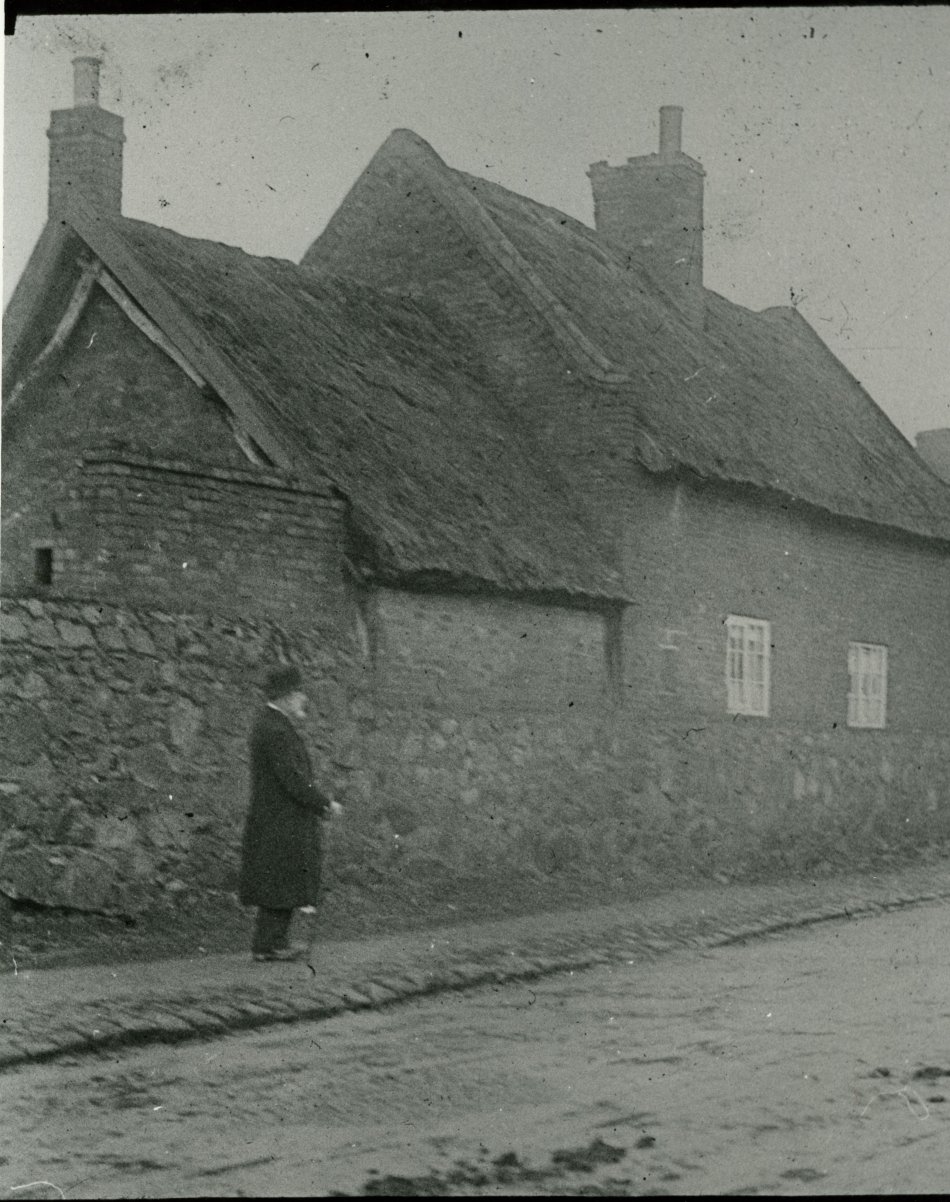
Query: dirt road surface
column 817, row 1062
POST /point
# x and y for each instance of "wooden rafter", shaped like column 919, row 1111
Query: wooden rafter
column 166, row 313
column 67, row 323
column 151, row 331
column 144, row 323
column 92, row 271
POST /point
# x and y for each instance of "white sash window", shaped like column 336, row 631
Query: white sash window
column 867, row 695
column 748, row 647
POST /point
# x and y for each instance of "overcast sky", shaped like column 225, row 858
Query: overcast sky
column 824, row 132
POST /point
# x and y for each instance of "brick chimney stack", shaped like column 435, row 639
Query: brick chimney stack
column 652, row 207
column 933, row 446
column 85, row 146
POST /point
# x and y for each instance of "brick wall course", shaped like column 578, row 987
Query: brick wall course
column 698, row 553
column 799, row 787
column 490, row 653
column 149, row 530
column 109, row 386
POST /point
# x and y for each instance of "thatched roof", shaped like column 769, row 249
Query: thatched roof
column 750, row 398
column 388, row 363
column 374, row 394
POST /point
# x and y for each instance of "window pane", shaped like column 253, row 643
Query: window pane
column 867, row 668
column 747, row 665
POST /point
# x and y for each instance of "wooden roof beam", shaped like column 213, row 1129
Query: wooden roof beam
column 67, row 323
column 143, row 322
column 189, row 340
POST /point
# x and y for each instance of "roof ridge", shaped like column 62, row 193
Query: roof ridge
column 117, row 221
column 841, row 367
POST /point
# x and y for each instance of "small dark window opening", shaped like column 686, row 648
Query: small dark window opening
column 43, row 566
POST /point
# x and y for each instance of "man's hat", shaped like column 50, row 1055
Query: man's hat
column 282, row 681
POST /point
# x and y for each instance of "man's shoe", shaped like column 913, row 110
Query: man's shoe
column 296, row 951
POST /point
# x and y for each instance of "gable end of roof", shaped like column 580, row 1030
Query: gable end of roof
column 458, row 200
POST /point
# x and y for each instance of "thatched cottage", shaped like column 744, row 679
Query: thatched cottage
column 589, row 567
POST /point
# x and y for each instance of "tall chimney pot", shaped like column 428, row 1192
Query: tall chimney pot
column 86, row 81
column 671, row 130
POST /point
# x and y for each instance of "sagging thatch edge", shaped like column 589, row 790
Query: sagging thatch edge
column 371, row 560
column 383, row 562
column 684, row 471
column 466, row 209
column 430, row 582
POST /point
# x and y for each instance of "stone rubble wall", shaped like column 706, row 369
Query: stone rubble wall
column 495, row 747
column 123, row 768
column 123, row 762
column 748, row 799
column 602, row 797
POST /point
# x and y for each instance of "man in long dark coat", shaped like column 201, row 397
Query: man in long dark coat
column 281, row 852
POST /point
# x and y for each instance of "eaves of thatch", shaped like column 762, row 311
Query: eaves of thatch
column 767, row 404
column 336, row 380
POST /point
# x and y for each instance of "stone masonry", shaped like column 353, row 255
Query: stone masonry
column 123, row 768
column 469, row 739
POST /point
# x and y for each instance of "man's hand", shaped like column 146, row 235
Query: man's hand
column 335, row 809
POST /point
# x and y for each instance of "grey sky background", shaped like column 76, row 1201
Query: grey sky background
column 824, row 132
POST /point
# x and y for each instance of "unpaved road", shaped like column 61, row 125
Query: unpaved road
column 813, row 1063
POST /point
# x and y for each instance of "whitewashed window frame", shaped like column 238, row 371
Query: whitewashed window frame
column 748, row 666
column 867, row 687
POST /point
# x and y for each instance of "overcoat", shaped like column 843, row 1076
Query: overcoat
column 280, row 851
